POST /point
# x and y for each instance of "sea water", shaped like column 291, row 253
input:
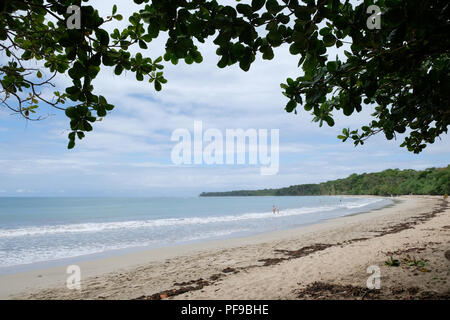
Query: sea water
column 48, row 230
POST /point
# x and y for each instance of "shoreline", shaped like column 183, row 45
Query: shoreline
column 219, row 268
column 42, row 265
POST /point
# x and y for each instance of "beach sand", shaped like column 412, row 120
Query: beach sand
column 322, row 261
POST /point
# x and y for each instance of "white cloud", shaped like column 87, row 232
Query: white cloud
column 129, row 151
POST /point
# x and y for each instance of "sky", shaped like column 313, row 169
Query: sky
column 129, row 152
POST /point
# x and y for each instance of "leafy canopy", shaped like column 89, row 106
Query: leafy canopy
column 403, row 68
column 432, row 181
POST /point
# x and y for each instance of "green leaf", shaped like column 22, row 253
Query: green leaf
column 158, row 86
column 142, row 44
column 329, row 120
column 102, row 37
column 118, row 69
column 102, row 101
column 258, row 4
column 291, row 105
column 272, row 6
column 332, row 66
column 101, row 111
column 78, row 71
column 329, row 40
column 268, row 54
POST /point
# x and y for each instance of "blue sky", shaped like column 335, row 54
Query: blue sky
column 128, row 153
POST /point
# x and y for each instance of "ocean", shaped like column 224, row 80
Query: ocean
column 46, row 231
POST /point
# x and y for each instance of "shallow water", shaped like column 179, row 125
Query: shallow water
column 47, row 229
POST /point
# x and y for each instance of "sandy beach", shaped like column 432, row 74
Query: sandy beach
column 322, row 261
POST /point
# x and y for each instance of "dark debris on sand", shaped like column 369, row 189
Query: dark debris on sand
column 325, row 291
column 294, row 254
column 447, row 255
column 416, row 220
column 320, row 290
column 230, row 270
column 305, row 251
column 330, row 291
column 188, row 286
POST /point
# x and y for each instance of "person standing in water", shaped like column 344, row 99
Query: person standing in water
column 274, row 209
column 278, row 211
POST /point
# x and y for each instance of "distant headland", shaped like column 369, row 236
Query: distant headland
column 432, row 181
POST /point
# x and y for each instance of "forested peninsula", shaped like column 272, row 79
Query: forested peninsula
column 432, row 181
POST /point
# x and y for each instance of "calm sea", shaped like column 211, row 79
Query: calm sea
column 34, row 231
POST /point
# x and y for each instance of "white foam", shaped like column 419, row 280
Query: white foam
column 34, row 255
column 361, row 203
column 136, row 224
